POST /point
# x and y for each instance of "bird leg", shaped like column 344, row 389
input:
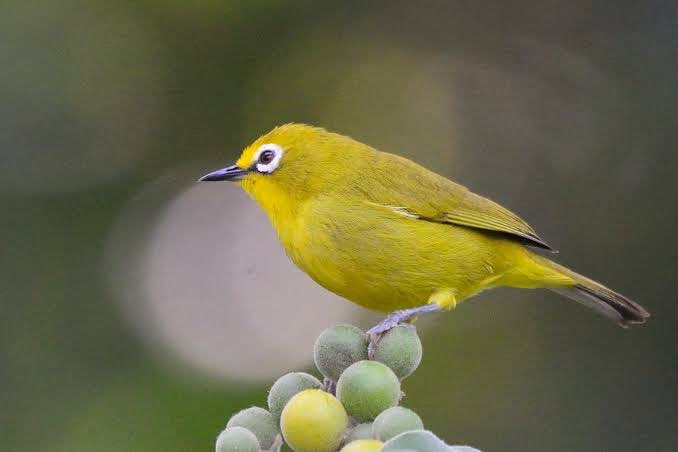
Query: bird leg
column 330, row 386
column 394, row 319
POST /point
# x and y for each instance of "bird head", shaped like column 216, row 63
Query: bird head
column 290, row 163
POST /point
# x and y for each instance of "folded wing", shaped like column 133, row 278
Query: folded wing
column 416, row 192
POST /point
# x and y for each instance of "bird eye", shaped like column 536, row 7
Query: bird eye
column 266, row 157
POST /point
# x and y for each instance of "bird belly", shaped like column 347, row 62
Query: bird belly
column 387, row 262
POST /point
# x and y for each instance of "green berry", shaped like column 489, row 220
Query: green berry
column 237, row 439
column 360, row 431
column 285, row 388
column 258, row 421
column 418, row 440
column 394, row 421
column 367, row 388
column 400, row 349
column 337, row 348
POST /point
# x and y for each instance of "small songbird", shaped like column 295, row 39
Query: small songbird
column 392, row 236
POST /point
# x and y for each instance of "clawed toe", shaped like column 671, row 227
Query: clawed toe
column 382, row 327
column 372, row 345
column 376, row 332
column 394, row 319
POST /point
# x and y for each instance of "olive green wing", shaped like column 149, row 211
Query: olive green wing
column 415, row 192
column 484, row 215
column 477, row 212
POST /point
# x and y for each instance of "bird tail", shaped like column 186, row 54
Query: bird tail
column 624, row 311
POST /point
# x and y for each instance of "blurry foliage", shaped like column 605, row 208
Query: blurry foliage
column 564, row 112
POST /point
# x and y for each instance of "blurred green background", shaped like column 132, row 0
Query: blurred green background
column 565, row 112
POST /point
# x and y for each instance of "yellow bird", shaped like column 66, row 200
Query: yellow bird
column 392, row 236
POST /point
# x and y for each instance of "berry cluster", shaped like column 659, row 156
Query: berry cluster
column 355, row 409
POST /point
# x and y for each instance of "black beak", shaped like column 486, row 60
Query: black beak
column 232, row 172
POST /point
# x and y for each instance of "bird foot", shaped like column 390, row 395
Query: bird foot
column 375, row 333
column 394, row 319
column 390, row 322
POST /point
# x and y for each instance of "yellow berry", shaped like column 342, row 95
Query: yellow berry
column 313, row 421
column 363, row 445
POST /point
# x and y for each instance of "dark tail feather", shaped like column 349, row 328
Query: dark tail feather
column 611, row 304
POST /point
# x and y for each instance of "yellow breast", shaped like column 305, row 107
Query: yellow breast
column 379, row 259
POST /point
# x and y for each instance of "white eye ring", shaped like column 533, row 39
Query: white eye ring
column 273, row 164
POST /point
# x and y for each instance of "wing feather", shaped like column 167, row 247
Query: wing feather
column 445, row 202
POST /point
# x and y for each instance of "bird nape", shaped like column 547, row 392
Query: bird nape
column 392, row 236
